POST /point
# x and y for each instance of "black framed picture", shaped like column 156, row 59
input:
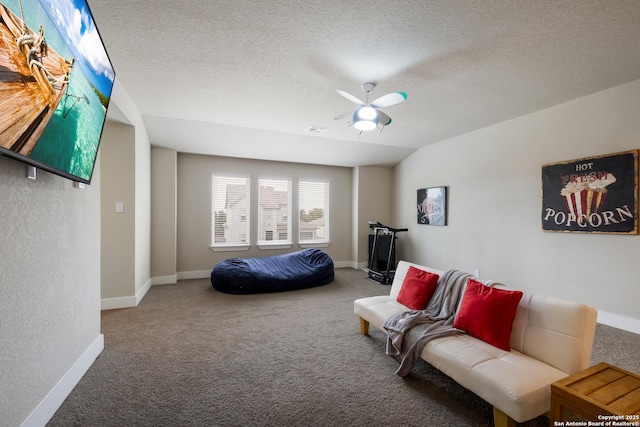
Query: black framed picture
column 592, row 195
column 432, row 206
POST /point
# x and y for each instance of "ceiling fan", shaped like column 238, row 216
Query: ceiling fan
column 368, row 116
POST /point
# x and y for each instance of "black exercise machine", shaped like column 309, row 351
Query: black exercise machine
column 375, row 272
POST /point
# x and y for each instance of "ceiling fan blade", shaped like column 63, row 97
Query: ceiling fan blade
column 389, row 99
column 383, row 119
column 350, row 97
column 343, row 115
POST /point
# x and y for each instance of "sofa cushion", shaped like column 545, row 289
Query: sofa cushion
column 515, row 383
column 417, row 288
column 487, row 313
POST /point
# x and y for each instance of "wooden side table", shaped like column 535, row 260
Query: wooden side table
column 597, row 393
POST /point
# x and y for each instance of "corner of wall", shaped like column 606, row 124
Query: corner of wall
column 48, row 407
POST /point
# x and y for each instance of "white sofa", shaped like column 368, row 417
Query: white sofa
column 550, row 340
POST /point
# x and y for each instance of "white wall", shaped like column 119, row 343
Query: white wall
column 132, row 151
column 143, row 209
column 373, row 201
column 118, row 228
column 163, row 215
column 49, row 289
column 50, row 264
column 494, row 181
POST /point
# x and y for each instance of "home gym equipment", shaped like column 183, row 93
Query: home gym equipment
column 382, row 252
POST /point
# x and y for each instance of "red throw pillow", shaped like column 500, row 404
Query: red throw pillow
column 417, row 288
column 487, row 313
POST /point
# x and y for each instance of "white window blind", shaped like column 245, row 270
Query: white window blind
column 314, row 211
column 274, row 211
column 229, row 210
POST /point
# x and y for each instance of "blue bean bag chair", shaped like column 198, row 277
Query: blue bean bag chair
column 296, row 270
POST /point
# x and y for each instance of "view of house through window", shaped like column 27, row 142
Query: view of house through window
column 230, row 210
column 314, row 205
column 274, row 221
column 274, row 206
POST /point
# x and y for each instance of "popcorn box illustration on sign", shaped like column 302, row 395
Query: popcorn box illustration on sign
column 586, row 196
column 592, row 195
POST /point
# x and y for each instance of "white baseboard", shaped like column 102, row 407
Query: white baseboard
column 125, row 302
column 362, row 265
column 120, row 302
column 164, row 280
column 143, row 291
column 202, row 274
column 344, row 264
column 50, row 404
column 618, row 321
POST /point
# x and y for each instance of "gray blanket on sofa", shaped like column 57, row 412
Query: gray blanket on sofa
column 409, row 332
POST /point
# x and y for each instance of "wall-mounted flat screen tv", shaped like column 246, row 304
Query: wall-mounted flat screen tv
column 55, row 85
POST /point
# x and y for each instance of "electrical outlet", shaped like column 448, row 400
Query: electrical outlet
column 476, row 272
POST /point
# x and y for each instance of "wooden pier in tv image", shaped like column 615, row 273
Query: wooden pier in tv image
column 33, row 79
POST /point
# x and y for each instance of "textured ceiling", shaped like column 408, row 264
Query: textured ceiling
column 248, row 78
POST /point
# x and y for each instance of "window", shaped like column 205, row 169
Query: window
column 314, row 204
column 230, row 208
column 237, row 212
column 274, row 207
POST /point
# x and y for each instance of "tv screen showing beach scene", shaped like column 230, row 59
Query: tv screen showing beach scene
column 55, row 85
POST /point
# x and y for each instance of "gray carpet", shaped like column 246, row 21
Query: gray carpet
column 191, row 356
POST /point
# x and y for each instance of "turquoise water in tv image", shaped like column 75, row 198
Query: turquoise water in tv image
column 70, row 141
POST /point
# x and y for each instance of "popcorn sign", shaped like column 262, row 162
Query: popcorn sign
column 592, row 195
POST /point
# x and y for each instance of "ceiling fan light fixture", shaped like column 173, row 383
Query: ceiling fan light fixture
column 368, row 116
column 365, row 125
column 366, row 113
column 365, row 118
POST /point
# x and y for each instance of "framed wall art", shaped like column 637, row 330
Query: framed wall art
column 592, row 195
column 432, row 206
